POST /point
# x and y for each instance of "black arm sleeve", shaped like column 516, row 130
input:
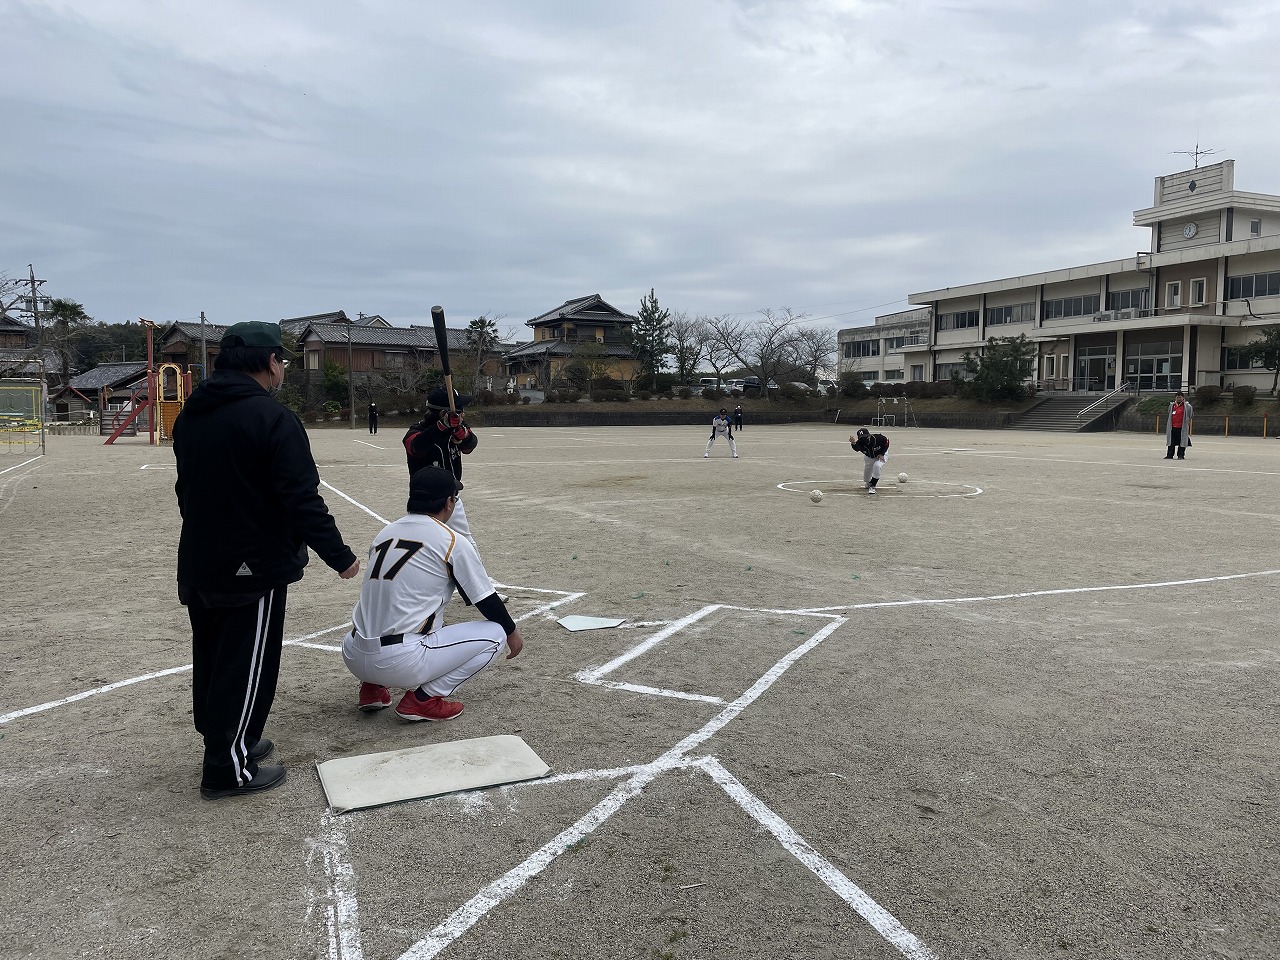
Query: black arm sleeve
column 492, row 608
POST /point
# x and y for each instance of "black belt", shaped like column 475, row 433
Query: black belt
column 391, row 639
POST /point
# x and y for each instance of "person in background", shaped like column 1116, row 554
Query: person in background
column 1177, row 430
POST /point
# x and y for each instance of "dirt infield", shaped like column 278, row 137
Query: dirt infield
column 1020, row 706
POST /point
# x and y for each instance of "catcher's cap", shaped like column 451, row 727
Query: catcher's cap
column 864, row 432
column 253, row 333
column 431, row 484
column 438, row 399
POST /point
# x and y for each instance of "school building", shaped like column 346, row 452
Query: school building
column 1172, row 316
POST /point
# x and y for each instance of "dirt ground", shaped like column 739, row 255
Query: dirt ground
column 1023, row 705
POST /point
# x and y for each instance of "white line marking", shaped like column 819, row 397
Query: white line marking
column 1044, row 593
column 157, row 466
column 593, row 675
column 342, row 913
column 471, row 912
column 22, row 464
column 25, row 711
column 884, row 922
column 368, row 444
column 40, row 708
column 655, row 691
column 330, row 486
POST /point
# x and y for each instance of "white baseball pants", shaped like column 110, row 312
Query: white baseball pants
column 871, row 468
column 733, row 447
column 438, row 662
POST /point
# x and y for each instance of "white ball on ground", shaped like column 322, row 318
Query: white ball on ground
column 902, row 478
column 816, row 496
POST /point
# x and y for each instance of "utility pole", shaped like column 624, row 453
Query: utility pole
column 35, row 313
column 204, row 351
column 351, row 381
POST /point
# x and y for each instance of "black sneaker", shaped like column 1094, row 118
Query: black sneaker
column 266, row 779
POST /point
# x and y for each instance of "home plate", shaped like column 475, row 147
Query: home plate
column 375, row 779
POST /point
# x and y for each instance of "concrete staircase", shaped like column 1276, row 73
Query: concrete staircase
column 1059, row 414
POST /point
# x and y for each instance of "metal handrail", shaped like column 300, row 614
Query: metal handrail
column 1124, row 385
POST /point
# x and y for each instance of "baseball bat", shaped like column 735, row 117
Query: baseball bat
column 442, row 345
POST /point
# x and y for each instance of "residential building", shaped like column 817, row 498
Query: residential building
column 1175, row 315
column 588, row 330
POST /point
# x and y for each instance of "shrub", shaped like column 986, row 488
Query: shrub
column 344, row 413
column 645, row 395
column 525, row 398
column 331, row 407
column 610, row 396
column 710, row 393
column 685, row 393
column 311, row 416
column 486, row 397
column 1208, row 394
column 789, row 391
column 1243, row 396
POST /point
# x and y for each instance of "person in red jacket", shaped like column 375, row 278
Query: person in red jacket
column 874, row 448
column 1177, row 430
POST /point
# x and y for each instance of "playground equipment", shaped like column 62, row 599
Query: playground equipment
column 153, row 398
column 22, row 414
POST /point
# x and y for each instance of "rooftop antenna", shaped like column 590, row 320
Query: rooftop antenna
column 1197, row 153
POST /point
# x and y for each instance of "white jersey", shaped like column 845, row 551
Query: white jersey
column 414, row 565
column 719, row 426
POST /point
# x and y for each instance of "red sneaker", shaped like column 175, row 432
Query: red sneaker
column 373, row 697
column 436, row 708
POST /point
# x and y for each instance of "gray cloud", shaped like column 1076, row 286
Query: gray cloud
column 262, row 161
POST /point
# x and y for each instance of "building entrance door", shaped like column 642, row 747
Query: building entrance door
column 1096, row 368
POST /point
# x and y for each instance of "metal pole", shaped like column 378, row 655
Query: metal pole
column 351, row 382
column 35, row 313
column 204, row 352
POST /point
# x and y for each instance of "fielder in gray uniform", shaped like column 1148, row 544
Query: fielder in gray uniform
column 398, row 636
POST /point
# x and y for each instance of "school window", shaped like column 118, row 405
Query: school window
column 958, row 321
column 1197, row 293
column 1254, row 285
column 1014, row 313
column 893, row 375
column 1050, row 367
column 917, row 371
column 1235, row 358
column 861, row 348
column 1173, row 294
column 1136, row 299
column 869, row 376
column 944, row 371
column 1255, row 228
column 894, row 343
column 1071, row 306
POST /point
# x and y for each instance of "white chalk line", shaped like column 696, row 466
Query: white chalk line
column 1062, row 591
column 594, row 674
column 895, row 488
column 339, row 906
column 40, row 708
column 352, row 500
column 655, row 691
column 884, row 923
column 22, row 464
column 466, row 916
column 368, row 444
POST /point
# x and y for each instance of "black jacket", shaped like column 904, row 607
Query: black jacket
column 248, row 491
column 430, row 443
column 873, row 446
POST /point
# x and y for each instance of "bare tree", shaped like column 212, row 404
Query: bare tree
column 766, row 347
column 720, row 355
column 814, row 349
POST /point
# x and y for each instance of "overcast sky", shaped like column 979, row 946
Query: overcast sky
column 263, row 159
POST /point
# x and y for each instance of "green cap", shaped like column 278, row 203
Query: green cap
column 253, row 333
